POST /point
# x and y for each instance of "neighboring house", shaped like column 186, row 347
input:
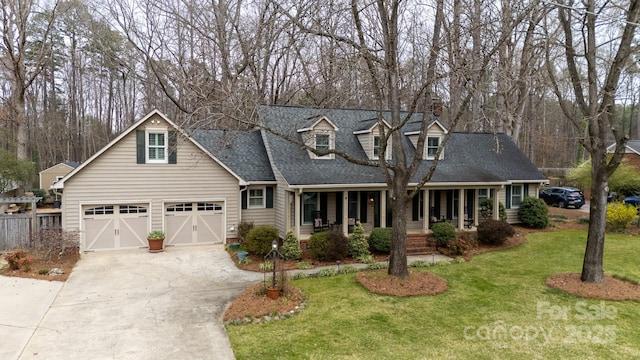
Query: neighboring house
column 51, row 175
column 199, row 186
column 631, row 153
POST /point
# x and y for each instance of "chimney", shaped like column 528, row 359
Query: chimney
column 436, row 106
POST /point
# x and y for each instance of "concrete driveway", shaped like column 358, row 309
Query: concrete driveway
column 138, row 305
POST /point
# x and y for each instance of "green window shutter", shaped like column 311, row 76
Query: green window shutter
column 269, row 200
column 140, row 148
column 173, row 147
column 508, row 196
column 244, row 198
column 323, row 205
column 364, row 204
column 525, row 190
column 415, row 208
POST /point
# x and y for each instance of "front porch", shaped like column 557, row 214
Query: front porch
column 313, row 210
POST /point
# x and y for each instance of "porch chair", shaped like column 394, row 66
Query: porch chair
column 319, row 224
column 468, row 222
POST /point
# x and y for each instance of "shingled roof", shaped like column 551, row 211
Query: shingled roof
column 242, row 151
column 469, row 157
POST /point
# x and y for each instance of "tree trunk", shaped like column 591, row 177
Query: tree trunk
column 398, row 256
column 592, row 270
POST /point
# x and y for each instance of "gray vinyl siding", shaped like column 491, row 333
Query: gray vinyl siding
column 195, row 177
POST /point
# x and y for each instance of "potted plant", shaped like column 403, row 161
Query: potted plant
column 155, row 239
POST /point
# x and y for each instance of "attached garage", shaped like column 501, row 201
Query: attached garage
column 116, row 226
column 194, row 222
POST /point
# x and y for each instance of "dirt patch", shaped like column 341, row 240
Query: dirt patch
column 42, row 262
column 418, row 283
column 610, row 289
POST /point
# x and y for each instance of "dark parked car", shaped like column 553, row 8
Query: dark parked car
column 563, row 196
column 632, row 200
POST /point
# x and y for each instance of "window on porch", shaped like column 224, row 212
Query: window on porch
column 310, row 204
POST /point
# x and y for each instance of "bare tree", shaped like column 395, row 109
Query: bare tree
column 595, row 55
column 21, row 60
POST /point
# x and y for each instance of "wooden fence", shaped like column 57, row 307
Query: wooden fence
column 17, row 230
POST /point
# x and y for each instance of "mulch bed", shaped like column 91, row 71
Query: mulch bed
column 610, row 289
column 418, row 283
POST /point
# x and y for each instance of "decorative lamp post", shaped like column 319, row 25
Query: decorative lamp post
column 274, row 250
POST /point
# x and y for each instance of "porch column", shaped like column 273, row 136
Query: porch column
column 383, row 208
column 476, row 208
column 287, row 211
column 461, row 205
column 345, row 212
column 296, row 215
column 425, row 210
column 496, row 204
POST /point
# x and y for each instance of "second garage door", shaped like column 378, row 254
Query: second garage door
column 194, row 223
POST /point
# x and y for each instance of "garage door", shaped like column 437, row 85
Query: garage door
column 194, row 223
column 108, row 227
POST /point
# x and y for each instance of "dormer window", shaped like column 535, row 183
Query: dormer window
column 376, row 147
column 433, row 143
column 323, row 142
column 319, row 134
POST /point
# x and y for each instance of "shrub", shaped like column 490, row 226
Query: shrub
column 328, row 246
column 443, row 233
column 259, row 239
column 300, row 275
column 376, row 266
column 420, row 264
column 619, row 216
column 348, row 270
column 266, row 266
column 486, row 209
column 380, row 239
column 358, row 245
column 243, row 230
column 367, row 259
column 291, row 247
column 327, row 272
column 304, row 265
column 534, row 213
column 458, row 247
column 18, row 260
column 494, row 232
column 41, row 193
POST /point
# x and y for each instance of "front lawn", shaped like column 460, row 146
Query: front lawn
column 497, row 306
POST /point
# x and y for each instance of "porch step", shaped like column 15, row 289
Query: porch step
column 419, row 244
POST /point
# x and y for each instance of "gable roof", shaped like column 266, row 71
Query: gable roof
column 70, row 164
column 474, row 158
column 60, row 184
column 367, row 126
column 314, row 120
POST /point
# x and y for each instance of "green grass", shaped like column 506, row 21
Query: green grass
column 491, row 302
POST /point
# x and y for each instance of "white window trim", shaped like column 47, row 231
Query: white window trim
column 373, row 147
column 315, row 145
column 521, row 187
column 426, row 147
column 264, row 198
column 166, row 146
